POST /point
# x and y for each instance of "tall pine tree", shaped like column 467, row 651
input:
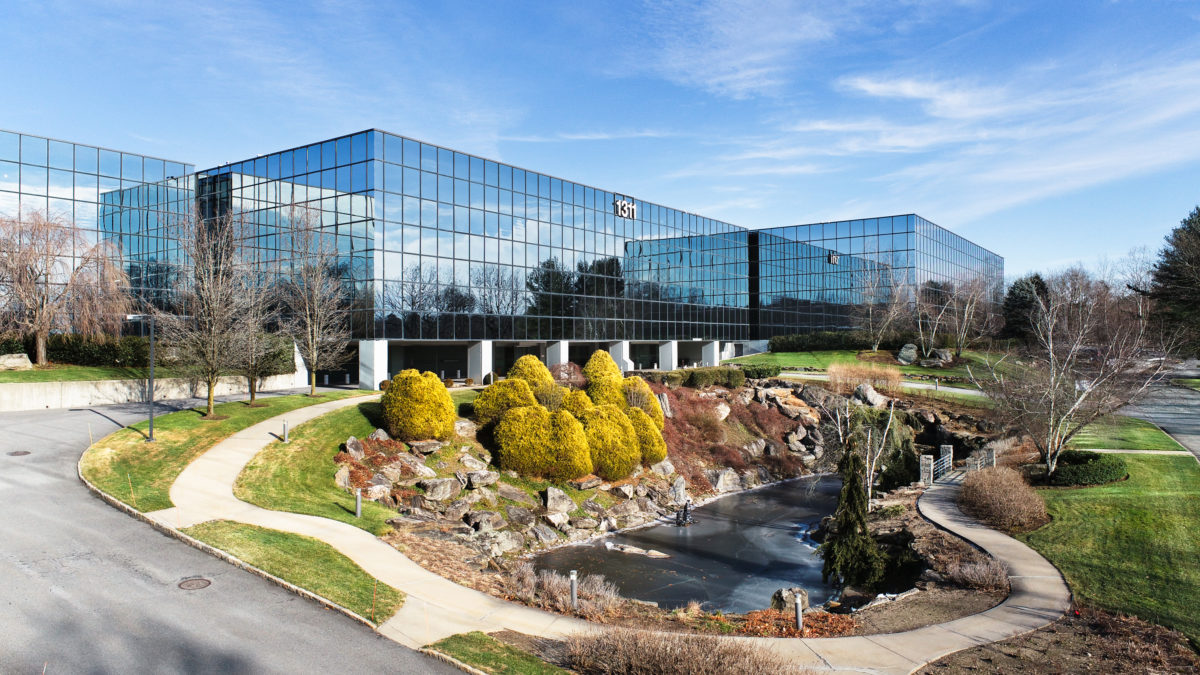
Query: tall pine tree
column 1020, row 303
column 851, row 555
column 1176, row 280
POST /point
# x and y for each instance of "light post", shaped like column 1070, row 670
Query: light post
column 143, row 317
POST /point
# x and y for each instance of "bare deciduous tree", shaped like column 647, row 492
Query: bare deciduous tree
column 52, row 278
column 206, row 323
column 971, row 312
column 930, row 315
column 313, row 296
column 1092, row 354
column 257, row 350
column 885, row 304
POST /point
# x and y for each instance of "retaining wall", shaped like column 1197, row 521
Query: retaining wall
column 82, row 394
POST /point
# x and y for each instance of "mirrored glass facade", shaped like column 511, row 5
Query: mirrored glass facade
column 73, row 181
column 438, row 245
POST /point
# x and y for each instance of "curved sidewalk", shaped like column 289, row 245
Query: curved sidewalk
column 437, row 607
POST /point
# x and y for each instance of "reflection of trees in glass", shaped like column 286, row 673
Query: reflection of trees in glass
column 416, row 293
column 600, row 292
column 497, row 290
column 551, row 287
column 451, row 298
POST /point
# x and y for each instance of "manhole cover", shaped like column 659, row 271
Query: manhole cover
column 18, row 453
column 194, row 584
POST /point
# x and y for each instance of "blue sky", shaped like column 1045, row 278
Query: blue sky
column 1049, row 132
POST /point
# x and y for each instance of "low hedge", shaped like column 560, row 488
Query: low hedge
column 725, row 376
column 756, row 371
column 1079, row 467
column 857, row 340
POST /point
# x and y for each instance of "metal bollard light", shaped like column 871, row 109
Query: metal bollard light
column 574, row 590
column 799, row 613
column 358, row 502
column 285, row 431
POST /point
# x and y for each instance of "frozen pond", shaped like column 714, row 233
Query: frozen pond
column 741, row 549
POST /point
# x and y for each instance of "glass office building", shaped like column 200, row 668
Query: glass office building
column 460, row 264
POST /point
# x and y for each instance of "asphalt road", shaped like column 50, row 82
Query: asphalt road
column 1175, row 409
column 85, row 588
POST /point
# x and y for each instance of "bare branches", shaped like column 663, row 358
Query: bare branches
column 972, row 312
column 885, row 303
column 213, row 308
column 53, row 278
column 313, row 296
column 1092, row 354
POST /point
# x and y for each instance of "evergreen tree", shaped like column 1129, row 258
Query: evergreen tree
column 1020, row 303
column 1176, row 280
column 851, row 554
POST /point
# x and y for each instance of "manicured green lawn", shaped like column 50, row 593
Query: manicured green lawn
column 55, row 372
column 821, row 360
column 1190, row 383
column 124, row 457
column 462, row 398
column 492, row 656
column 306, row 562
column 298, row 476
column 1132, row 546
column 1124, row 433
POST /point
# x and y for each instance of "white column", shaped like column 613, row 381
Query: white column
column 479, row 361
column 557, row 353
column 710, row 354
column 372, row 363
column 668, row 355
column 619, row 351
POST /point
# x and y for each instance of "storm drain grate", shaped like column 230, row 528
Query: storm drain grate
column 194, row 584
column 18, row 453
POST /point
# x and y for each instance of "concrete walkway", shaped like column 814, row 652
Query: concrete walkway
column 437, row 607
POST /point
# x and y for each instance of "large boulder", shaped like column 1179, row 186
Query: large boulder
column 465, row 428
column 478, row 479
column 456, row 509
column 415, row 464
column 341, row 477
column 426, row 447
column 664, row 402
column 544, row 534
column 755, row 448
column 514, row 494
column 472, row 463
column 520, row 517
column 943, row 355
column 557, row 501
column 866, row 394
column 355, row 448
column 499, row 542
column 721, row 410
column 785, row 599
column 376, row 492
column 559, row 521
column 628, row 508
column 819, row 397
column 794, row 438
column 663, row 468
column 15, row 362
column 586, row 483
column 933, row 363
column 592, row 507
column 379, row 435
column 441, row 489
column 907, row 355
column 678, row 492
column 483, row 521
column 583, row 523
column 725, row 480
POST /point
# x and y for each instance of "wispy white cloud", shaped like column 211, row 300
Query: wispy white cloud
column 567, row 136
column 734, row 48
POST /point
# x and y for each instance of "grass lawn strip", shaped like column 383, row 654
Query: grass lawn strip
column 125, row 458
column 298, row 476
column 306, row 562
column 1192, row 383
column 56, row 372
column 493, row 656
column 821, row 360
column 1132, row 546
column 1118, row 432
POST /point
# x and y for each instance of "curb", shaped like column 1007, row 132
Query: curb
column 450, row 661
column 218, row 553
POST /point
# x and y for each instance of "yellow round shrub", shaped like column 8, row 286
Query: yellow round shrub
column 604, row 380
column 638, row 395
column 568, row 445
column 416, row 406
column 650, row 439
column 521, row 443
column 612, row 442
column 498, row 398
column 531, row 369
column 576, row 401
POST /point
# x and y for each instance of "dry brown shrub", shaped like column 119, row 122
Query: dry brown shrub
column 599, row 599
column 987, row 574
column 844, row 377
column 1000, row 497
column 626, row 651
